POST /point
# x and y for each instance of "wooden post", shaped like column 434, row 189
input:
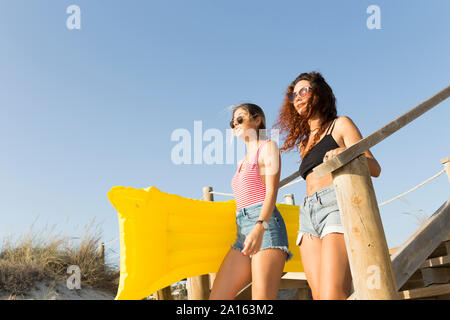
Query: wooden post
column 199, row 287
column 289, row 199
column 446, row 163
column 101, row 253
column 208, row 196
column 368, row 253
column 164, row 294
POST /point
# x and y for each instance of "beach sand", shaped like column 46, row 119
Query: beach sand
column 47, row 290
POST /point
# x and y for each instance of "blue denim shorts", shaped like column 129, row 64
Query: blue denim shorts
column 274, row 237
column 319, row 214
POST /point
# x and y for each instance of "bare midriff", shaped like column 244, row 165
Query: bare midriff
column 314, row 184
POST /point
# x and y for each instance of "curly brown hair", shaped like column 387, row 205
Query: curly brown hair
column 295, row 128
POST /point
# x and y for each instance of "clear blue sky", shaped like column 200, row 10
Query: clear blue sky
column 84, row 110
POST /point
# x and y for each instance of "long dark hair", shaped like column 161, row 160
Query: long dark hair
column 294, row 127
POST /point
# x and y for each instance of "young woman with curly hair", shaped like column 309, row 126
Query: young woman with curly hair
column 308, row 120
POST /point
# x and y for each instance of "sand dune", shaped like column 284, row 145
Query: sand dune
column 46, row 290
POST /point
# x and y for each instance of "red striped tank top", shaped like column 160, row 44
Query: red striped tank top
column 247, row 186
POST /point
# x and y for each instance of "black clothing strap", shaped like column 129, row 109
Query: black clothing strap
column 316, row 154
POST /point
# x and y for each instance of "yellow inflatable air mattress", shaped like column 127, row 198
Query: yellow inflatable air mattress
column 165, row 238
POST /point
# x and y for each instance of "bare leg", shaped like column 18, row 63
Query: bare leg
column 310, row 251
column 335, row 276
column 233, row 275
column 267, row 268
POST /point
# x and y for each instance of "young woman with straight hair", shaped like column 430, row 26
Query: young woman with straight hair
column 261, row 248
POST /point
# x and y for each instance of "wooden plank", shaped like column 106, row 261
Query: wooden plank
column 294, row 280
column 294, row 276
column 286, row 180
column 435, row 275
column 437, row 262
column 413, row 284
column 443, row 297
column 421, row 244
column 436, row 290
column 381, row 134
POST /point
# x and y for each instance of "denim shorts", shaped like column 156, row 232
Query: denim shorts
column 319, row 214
column 274, row 237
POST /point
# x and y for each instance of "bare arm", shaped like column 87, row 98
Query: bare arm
column 269, row 169
column 349, row 135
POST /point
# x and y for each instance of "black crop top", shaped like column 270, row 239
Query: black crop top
column 316, row 154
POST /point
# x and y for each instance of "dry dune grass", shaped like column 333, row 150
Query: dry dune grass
column 40, row 256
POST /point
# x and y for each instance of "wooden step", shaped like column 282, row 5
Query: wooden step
column 298, row 281
column 431, row 240
column 293, row 280
column 435, row 275
column 431, row 291
column 437, row 262
column 432, row 271
column 300, row 276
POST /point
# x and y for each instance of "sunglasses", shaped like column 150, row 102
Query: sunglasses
column 239, row 120
column 300, row 94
